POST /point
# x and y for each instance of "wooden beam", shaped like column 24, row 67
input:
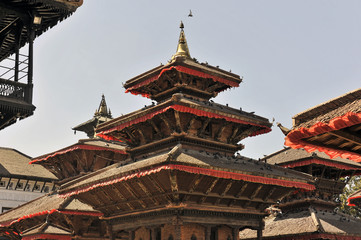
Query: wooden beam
column 84, row 157
column 234, row 133
column 143, row 137
column 123, row 139
column 178, row 121
column 245, row 133
column 204, row 126
column 225, row 190
column 255, row 193
column 194, row 184
column 221, row 130
column 166, row 122
column 134, row 195
column 131, row 136
column 269, row 194
column 103, row 208
column 323, row 171
column 155, row 127
column 171, row 81
column 243, row 188
column 213, row 87
column 191, row 123
column 209, row 189
column 80, row 165
column 123, row 197
column 347, row 136
column 146, row 191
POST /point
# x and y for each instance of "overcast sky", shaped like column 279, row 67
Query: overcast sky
column 292, row 55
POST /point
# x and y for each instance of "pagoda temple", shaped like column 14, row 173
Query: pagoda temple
column 312, row 214
column 167, row 171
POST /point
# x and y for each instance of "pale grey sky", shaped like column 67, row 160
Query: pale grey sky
column 292, row 55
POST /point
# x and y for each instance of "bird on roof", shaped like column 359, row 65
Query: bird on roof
column 190, row 13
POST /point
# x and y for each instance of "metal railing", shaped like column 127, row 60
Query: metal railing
column 10, row 75
column 11, row 71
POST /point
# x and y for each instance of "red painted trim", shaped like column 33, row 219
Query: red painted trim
column 48, row 236
column 76, row 147
column 353, row 198
column 294, row 138
column 314, row 236
column 321, row 162
column 81, row 213
column 180, row 69
column 46, row 212
column 181, row 108
column 196, row 170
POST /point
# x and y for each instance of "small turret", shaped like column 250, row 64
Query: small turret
column 101, row 115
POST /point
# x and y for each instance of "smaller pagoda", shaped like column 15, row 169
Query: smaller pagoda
column 101, row 115
column 312, row 214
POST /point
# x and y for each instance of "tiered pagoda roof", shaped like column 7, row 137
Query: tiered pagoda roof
column 183, row 169
column 333, row 127
column 312, row 215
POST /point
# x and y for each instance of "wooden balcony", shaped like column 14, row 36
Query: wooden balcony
column 15, row 101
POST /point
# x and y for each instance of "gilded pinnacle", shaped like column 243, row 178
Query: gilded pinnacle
column 182, row 48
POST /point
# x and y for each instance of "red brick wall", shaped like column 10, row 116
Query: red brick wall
column 167, row 230
column 224, row 232
column 142, row 233
column 189, row 229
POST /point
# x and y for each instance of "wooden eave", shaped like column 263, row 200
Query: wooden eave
column 14, row 109
column 65, row 212
column 51, row 11
column 181, row 100
column 205, row 68
column 326, row 107
column 78, row 159
column 156, row 187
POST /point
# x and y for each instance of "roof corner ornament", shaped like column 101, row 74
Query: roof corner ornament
column 182, row 48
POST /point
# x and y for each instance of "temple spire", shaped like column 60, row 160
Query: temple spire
column 182, row 48
column 103, row 109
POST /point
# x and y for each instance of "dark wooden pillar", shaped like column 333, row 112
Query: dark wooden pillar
column 235, row 233
column 259, row 234
column 131, row 234
column 259, row 230
column 19, row 28
column 31, row 53
column 208, row 233
column 153, row 233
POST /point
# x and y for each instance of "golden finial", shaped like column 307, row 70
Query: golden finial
column 182, row 48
